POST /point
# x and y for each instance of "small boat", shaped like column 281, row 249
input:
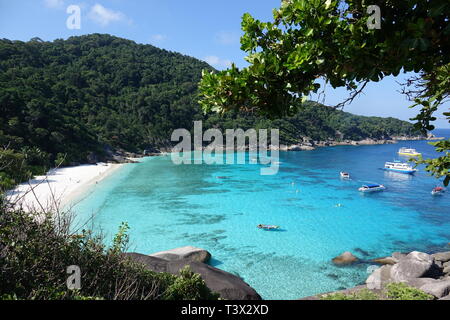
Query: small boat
column 408, row 152
column 398, row 166
column 267, row 227
column 344, row 175
column 437, row 191
column 372, row 188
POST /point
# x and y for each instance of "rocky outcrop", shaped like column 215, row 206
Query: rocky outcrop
column 379, row 278
column 442, row 256
column 436, row 288
column 429, row 273
column 229, row 286
column 345, row 258
column 187, row 253
column 446, row 268
column 429, row 136
column 426, row 272
column 300, row 147
column 398, row 255
column 414, row 265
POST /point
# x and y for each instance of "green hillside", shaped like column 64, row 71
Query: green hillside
column 67, row 98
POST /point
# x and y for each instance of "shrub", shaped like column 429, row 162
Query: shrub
column 364, row 294
column 34, row 257
column 400, row 291
column 189, row 286
column 393, row 291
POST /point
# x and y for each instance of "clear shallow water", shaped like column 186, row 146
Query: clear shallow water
column 169, row 206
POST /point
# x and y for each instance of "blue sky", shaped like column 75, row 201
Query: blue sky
column 205, row 29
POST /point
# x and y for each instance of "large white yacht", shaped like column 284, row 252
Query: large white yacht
column 398, row 166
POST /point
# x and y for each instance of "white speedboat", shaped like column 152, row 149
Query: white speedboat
column 372, row 188
column 437, row 191
column 345, row 175
column 408, row 152
column 398, row 166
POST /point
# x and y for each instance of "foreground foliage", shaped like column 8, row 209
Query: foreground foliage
column 393, row 291
column 401, row 291
column 34, row 257
column 364, row 294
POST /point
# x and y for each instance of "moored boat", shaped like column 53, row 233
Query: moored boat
column 398, row 166
column 408, row 152
column 372, row 187
column 345, row 175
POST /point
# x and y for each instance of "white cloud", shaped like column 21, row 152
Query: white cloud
column 54, row 3
column 158, row 37
column 226, row 38
column 104, row 16
column 217, row 62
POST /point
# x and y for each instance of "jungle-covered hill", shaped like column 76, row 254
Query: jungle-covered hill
column 67, row 98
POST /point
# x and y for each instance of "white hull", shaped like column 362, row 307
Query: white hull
column 373, row 189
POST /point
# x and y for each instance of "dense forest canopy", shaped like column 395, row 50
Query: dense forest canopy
column 61, row 100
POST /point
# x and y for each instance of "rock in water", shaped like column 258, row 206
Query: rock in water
column 187, row 253
column 414, row 265
column 345, row 258
column 229, row 286
column 386, row 260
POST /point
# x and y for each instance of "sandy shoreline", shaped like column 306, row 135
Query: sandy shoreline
column 60, row 187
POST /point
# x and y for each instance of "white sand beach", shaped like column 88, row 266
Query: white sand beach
column 59, row 187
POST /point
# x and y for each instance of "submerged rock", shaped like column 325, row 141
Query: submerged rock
column 385, row 260
column 187, row 253
column 345, row 258
column 229, row 286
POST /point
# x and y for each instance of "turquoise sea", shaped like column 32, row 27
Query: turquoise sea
column 168, row 206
